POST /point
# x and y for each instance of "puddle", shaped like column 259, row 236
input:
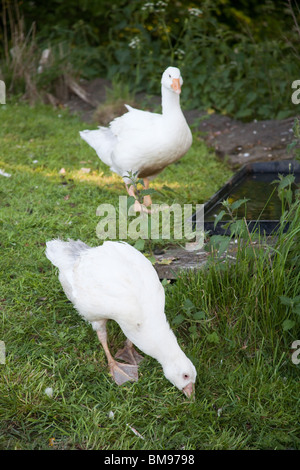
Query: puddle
column 263, row 203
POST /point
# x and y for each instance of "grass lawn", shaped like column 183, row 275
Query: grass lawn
column 247, row 389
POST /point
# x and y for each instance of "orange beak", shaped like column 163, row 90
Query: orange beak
column 189, row 390
column 176, row 85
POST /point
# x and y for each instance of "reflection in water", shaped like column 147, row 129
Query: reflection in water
column 263, row 203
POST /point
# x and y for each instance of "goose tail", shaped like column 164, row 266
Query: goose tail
column 63, row 254
column 102, row 141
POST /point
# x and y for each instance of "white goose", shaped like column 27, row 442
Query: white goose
column 115, row 281
column 142, row 142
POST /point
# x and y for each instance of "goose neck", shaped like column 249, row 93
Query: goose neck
column 170, row 102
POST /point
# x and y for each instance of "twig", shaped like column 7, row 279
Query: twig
column 5, row 31
column 291, row 10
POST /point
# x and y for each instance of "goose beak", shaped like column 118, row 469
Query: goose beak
column 189, row 390
column 176, row 85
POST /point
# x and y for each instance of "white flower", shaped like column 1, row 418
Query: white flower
column 195, row 11
column 157, row 7
column 49, row 392
column 160, row 6
column 148, row 6
column 180, row 53
column 134, row 43
column 3, row 173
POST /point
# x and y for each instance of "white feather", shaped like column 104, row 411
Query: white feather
column 115, row 281
column 141, row 141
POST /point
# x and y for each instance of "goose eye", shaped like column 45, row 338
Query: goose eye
column 186, row 376
column 169, row 76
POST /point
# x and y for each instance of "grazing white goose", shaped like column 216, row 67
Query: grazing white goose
column 142, row 142
column 115, row 281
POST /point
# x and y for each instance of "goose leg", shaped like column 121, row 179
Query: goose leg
column 129, row 354
column 138, row 207
column 147, row 199
column 120, row 372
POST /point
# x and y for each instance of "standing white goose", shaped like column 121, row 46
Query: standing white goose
column 142, row 142
column 115, row 281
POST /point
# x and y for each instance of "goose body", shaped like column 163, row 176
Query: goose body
column 114, row 281
column 142, row 142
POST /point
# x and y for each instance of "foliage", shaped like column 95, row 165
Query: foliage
column 236, row 58
column 224, row 69
column 243, row 261
column 294, row 146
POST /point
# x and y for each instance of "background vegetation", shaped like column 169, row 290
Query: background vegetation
column 238, row 58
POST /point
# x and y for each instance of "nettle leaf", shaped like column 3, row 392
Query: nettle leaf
column 291, row 302
column 286, row 181
column 213, row 338
column 219, row 217
column 147, row 192
column 199, row 315
column 193, row 330
column 130, row 201
column 178, row 319
column 237, row 227
column 297, row 310
column 139, row 244
column 223, row 246
column 288, row 195
column 288, row 325
column 219, row 243
column 235, row 205
column 292, row 145
column 286, row 300
column 188, row 305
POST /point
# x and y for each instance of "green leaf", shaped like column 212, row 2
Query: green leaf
column 291, row 145
column 282, row 114
column 147, row 192
column 219, row 217
column 296, row 310
column 130, row 201
column 223, row 245
column 139, row 244
column 237, row 227
column 286, row 300
column 235, row 205
column 243, row 113
column 288, row 324
column 193, row 330
column 286, row 181
column 199, row 315
column 178, row 319
column 213, row 338
column 188, row 305
column 152, row 259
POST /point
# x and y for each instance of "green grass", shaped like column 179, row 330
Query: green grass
column 247, row 389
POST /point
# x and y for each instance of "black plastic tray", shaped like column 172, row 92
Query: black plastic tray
column 267, row 226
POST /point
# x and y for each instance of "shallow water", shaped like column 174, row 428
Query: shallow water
column 263, row 204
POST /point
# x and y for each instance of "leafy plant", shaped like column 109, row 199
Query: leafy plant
column 190, row 317
column 294, row 306
column 294, row 146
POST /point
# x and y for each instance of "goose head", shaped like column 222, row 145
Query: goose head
column 181, row 373
column 172, row 80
